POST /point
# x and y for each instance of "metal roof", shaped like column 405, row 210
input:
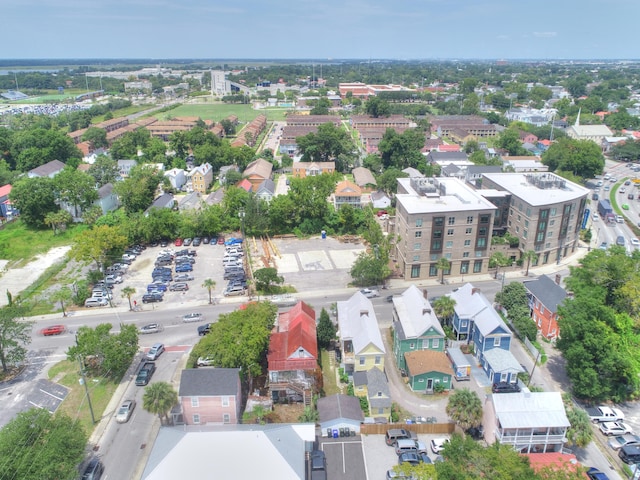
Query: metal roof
column 530, row 410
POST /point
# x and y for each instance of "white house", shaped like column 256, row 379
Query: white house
column 177, row 177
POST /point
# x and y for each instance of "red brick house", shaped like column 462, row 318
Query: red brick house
column 211, row 396
column 526, row 137
column 293, row 354
column 544, row 297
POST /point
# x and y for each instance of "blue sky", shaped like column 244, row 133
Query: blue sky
column 396, row 29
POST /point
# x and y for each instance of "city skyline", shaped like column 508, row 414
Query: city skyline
column 329, row 29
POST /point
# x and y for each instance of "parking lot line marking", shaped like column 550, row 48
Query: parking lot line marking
column 364, row 459
column 51, row 394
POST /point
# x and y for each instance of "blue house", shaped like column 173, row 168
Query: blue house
column 476, row 320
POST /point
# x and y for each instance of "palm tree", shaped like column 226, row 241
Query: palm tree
column 529, row 256
column 465, row 408
column 445, row 308
column 310, row 415
column 443, row 265
column 159, row 398
column 497, row 260
column 127, row 292
column 209, row 285
column 63, row 295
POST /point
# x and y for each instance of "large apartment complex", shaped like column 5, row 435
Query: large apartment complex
column 445, row 217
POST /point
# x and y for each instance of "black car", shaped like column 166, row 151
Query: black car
column 164, row 243
column 196, row 241
column 204, row 329
column 205, row 240
column 93, row 470
column 476, row 433
column 504, row 387
column 152, row 297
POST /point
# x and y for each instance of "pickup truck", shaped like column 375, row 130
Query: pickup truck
column 604, row 414
column 145, row 373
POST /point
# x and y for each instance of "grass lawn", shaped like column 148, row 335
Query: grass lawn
column 328, row 375
column 19, row 243
column 75, row 404
column 218, row 111
column 122, row 112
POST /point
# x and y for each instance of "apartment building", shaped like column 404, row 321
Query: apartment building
column 441, row 217
column 545, row 211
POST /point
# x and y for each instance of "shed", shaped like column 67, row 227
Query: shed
column 339, row 411
column 461, row 365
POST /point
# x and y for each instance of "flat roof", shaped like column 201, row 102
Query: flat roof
column 458, row 197
column 538, row 188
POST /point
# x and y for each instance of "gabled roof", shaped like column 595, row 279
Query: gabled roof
column 378, row 195
column 530, row 410
column 259, row 167
column 209, row 382
column 357, row 322
column 5, row 190
column 413, row 173
column 377, row 382
column 266, row 186
column 216, row 197
column 47, row 169
column 502, row 361
column 415, row 314
column 293, row 344
column 425, row 361
column 105, row 190
column 203, row 169
column 435, row 156
column 346, row 188
column 339, row 406
column 547, row 291
column 245, row 184
column 363, row 176
column 472, row 304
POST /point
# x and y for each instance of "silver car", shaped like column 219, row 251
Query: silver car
column 192, row 317
column 125, row 411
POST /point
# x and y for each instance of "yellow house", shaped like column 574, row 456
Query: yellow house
column 360, row 339
column 373, row 385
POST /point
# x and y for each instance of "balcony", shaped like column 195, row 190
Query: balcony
column 530, row 438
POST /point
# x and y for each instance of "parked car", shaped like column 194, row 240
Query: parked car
column 196, row 241
column 604, row 413
column 183, row 277
column 504, row 387
column 145, row 373
column 603, row 246
column 113, row 278
column 437, row 444
column 615, row 428
column 184, row 267
column 234, row 290
column 185, row 259
column 409, row 457
column 179, row 287
column 53, row 330
column 635, row 242
column 630, row 454
column 96, row 302
column 125, row 411
column 205, row 240
column 595, row 474
column 155, row 351
column 620, row 241
column 93, row 470
column 187, row 242
column 204, row 329
column 221, row 240
column 204, row 361
column 177, row 243
column 370, row 292
column 152, row 297
column 150, row 328
column 623, row 440
column 164, row 243
column 234, row 241
column 159, row 286
column 192, row 317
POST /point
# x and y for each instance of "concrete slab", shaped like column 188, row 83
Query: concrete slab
column 47, row 395
column 287, row 264
column 345, row 258
column 315, row 260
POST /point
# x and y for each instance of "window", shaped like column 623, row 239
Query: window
column 524, row 234
column 482, row 232
column 226, row 418
column 464, row 267
column 437, row 234
column 484, row 218
column 196, row 419
column 380, row 410
column 361, row 359
column 415, row 271
column 496, row 341
column 470, row 219
column 553, row 212
column 195, row 402
column 465, row 254
column 542, row 226
column 417, row 246
column 447, row 256
column 540, row 237
column 528, row 212
column 379, row 394
column 503, row 377
column 377, row 360
column 449, row 245
column 517, row 229
column 436, row 245
column 526, row 223
column 467, row 243
column 544, row 214
column 552, row 222
column 519, row 218
column 418, row 222
column 416, row 258
column 433, row 270
column 434, row 257
column 549, row 234
column 435, row 343
column 452, row 220
column 225, row 401
column 547, row 245
column 479, row 253
column 450, row 232
column 438, row 221
column 468, row 231
column 418, row 233
column 412, row 346
column 482, row 242
column 477, row 266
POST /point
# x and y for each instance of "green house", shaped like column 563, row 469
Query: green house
column 415, row 325
column 427, row 369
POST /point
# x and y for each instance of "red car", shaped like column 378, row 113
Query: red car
column 178, row 242
column 381, row 212
column 221, row 240
column 53, row 330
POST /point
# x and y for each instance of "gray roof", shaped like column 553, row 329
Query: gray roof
column 216, row 197
column 412, row 172
column 105, row 190
column 362, row 176
column 472, row 304
column 415, row 314
column 209, row 382
column 47, row 169
column 267, row 185
column 502, row 361
column 547, row 291
column 378, row 195
column 476, row 169
column 450, row 169
column 339, row 406
column 377, row 382
column 359, row 378
column 530, row 410
column 163, row 201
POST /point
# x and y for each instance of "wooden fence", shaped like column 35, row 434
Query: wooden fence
column 381, row 428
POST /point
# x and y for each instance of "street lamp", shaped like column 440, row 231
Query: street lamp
column 241, row 215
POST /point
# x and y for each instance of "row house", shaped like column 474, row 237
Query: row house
column 374, row 386
column 209, row 396
column 290, row 135
column 313, row 120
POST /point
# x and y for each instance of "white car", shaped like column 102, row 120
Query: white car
column 595, row 216
column 615, row 428
column 192, row 317
column 370, row 292
column 437, row 444
column 635, row 242
column 113, row 279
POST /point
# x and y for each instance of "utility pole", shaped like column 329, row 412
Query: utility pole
column 83, row 381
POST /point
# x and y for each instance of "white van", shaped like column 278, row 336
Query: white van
column 95, row 302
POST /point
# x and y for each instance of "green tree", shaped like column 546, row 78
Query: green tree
column 529, row 256
column 14, row 336
column 402, row 150
column 99, row 244
column 309, row 415
column 159, row 398
column 37, row 444
column 105, row 353
column 465, row 408
column 377, row 107
column 267, row 278
column 498, row 260
column 35, row 198
column 326, row 330
column 580, row 433
column 210, row 285
column 104, row 170
column 138, row 190
column 97, row 137
column 321, row 107
column 388, row 181
column 369, row 269
column 63, row 296
column 443, row 265
column 75, row 188
column 509, row 140
column 58, row 220
column 582, row 158
column 128, row 292
column 444, row 308
column 326, row 144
